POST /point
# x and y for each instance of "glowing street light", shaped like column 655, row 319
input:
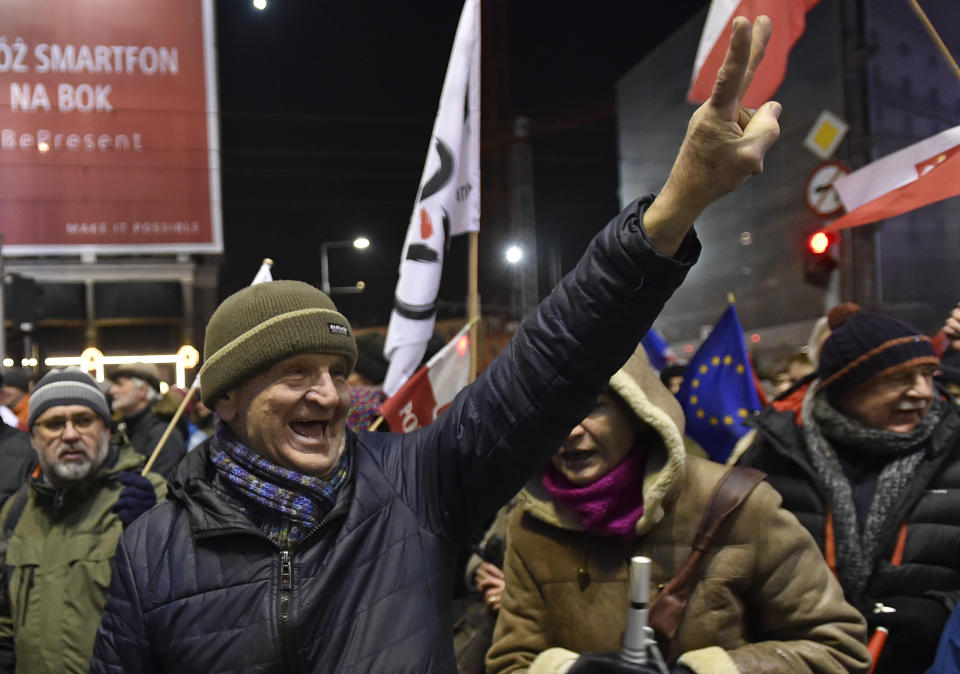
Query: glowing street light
column 514, row 254
column 360, row 243
column 260, row 4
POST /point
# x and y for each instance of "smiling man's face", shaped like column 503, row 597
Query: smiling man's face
column 896, row 402
column 294, row 413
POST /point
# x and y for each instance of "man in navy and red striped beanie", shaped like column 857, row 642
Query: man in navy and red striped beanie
column 873, row 471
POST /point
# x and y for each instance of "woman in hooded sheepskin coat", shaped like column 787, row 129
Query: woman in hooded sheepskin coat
column 623, row 485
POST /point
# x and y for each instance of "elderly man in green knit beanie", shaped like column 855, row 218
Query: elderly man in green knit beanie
column 276, row 360
column 289, row 544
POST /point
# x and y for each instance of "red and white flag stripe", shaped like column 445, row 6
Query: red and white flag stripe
column 789, row 22
column 432, row 388
column 896, row 169
column 921, row 174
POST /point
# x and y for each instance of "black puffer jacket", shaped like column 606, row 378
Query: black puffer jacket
column 17, row 460
column 931, row 507
column 145, row 428
column 197, row 588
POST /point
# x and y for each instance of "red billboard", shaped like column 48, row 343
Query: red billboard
column 108, row 127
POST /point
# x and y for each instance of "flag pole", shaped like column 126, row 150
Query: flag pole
column 918, row 10
column 261, row 276
column 473, row 302
column 169, row 429
column 472, row 325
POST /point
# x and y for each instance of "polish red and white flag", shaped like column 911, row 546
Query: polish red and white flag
column 917, row 175
column 432, row 388
column 789, row 22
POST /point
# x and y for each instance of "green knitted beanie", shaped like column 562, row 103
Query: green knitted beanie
column 265, row 323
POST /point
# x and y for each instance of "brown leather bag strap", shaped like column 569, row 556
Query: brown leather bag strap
column 731, row 491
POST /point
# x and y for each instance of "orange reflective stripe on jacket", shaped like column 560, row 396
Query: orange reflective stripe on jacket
column 830, row 545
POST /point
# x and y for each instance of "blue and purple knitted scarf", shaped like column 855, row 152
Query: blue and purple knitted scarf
column 286, row 505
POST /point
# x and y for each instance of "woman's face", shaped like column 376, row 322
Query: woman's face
column 599, row 443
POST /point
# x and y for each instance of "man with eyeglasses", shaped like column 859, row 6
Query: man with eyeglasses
column 871, row 467
column 59, row 531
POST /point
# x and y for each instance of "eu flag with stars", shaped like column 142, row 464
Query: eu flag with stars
column 657, row 348
column 718, row 393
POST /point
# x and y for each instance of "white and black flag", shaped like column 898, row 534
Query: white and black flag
column 447, row 204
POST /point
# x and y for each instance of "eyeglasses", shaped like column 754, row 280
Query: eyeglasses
column 57, row 425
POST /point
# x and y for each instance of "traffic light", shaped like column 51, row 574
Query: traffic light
column 821, row 257
column 23, row 297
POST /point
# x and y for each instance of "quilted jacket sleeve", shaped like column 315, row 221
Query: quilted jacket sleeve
column 500, row 430
column 121, row 644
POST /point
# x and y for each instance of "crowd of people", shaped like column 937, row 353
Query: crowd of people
column 274, row 534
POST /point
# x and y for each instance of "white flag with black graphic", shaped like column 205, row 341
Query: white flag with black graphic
column 447, row 204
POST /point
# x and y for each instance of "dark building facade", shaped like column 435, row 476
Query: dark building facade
column 873, row 65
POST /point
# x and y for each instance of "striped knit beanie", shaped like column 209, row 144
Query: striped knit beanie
column 265, row 323
column 865, row 346
column 66, row 386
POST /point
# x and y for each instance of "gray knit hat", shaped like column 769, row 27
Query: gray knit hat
column 66, row 386
column 265, row 323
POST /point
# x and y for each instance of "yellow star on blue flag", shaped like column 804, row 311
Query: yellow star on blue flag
column 718, row 393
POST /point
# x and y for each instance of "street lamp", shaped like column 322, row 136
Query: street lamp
column 514, row 254
column 360, row 243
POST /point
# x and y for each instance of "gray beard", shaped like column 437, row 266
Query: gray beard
column 62, row 473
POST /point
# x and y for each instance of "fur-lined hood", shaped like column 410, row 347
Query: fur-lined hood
column 641, row 389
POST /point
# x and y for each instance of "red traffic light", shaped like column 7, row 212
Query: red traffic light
column 820, row 258
column 818, row 243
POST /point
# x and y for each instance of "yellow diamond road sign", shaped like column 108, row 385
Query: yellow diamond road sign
column 826, row 134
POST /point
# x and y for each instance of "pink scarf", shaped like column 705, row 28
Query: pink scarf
column 610, row 506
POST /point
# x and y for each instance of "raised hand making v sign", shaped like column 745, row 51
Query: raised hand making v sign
column 725, row 143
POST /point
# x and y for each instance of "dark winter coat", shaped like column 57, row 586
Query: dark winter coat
column 145, row 428
column 930, row 567
column 198, row 588
column 17, row 460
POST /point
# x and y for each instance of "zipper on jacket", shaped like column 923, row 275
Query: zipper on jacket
column 26, row 595
column 284, row 601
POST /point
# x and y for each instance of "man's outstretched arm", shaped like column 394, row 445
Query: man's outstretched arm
column 518, row 412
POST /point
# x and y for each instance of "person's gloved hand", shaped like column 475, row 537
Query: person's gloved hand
column 914, row 627
column 136, row 498
column 612, row 663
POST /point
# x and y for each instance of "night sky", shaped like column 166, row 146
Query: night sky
column 326, row 112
